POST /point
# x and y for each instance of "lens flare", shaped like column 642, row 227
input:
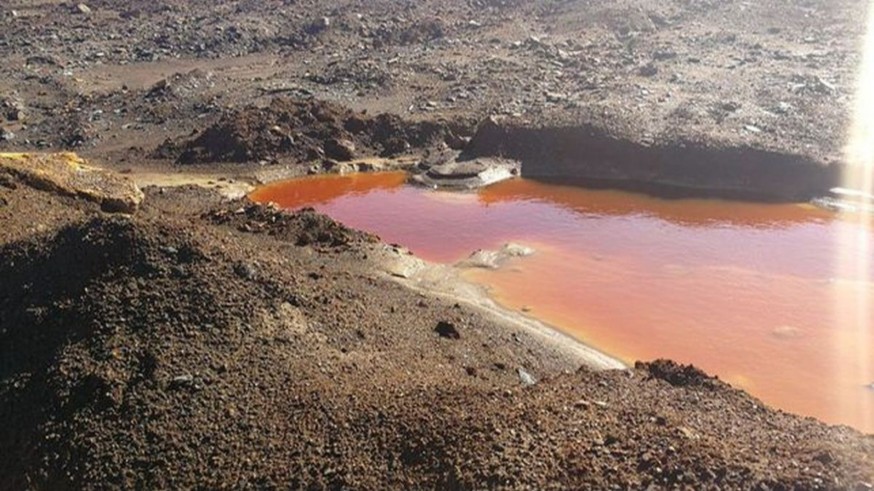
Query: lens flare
column 853, row 285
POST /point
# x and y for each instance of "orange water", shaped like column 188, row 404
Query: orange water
column 743, row 290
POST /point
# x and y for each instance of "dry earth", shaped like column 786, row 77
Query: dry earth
column 210, row 343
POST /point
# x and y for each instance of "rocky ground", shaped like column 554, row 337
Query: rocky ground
column 201, row 342
column 207, row 343
column 125, row 82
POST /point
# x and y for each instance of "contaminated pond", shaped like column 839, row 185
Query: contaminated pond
column 751, row 292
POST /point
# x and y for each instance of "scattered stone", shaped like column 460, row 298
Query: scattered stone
column 676, row 374
column 447, row 330
column 15, row 114
column 83, row 9
column 824, row 86
column 245, row 270
column 648, row 70
column 468, row 174
column 664, row 54
column 525, row 377
column 339, row 149
column 495, row 259
column 555, row 97
column 182, row 381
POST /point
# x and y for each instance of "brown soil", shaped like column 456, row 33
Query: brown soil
column 307, row 130
column 209, row 344
column 206, row 343
column 768, row 82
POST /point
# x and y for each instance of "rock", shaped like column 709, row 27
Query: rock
column 525, row 377
column 495, row 259
column 468, row 174
column 15, row 114
column 319, row 26
column 83, row 9
column 67, row 174
column 555, row 97
column 676, row 374
column 6, row 135
column 339, row 149
column 648, row 70
column 245, row 271
column 823, row 86
column 447, row 330
column 185, row 381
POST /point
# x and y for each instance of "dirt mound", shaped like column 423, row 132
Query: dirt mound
column 678, row 375
column 304, row 227
column 306, row 130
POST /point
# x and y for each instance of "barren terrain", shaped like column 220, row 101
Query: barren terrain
column 202, row 341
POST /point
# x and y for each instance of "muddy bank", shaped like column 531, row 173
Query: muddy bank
column 591, row 155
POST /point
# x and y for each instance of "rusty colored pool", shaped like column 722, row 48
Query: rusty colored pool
column 742, row 290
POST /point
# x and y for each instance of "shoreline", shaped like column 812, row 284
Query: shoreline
column 419, row 275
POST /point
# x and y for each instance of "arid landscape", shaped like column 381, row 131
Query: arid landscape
column 159, row 330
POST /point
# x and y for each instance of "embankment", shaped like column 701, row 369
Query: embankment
column 589, row 155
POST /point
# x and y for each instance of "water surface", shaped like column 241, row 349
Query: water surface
column 746, row 291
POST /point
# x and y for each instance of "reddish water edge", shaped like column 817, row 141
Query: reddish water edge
column 746, row 291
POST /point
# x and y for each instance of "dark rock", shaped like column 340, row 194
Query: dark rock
column 182, row 382
column 447, row 330
column 648, row 70
column 245, row 271
column 677, row 375
column 339, row 149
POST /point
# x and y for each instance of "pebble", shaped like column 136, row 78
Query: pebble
column 245, row 270
column 447, row 330
column 525, row 377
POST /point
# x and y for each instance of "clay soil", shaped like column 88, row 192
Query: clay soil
column 206, row 343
